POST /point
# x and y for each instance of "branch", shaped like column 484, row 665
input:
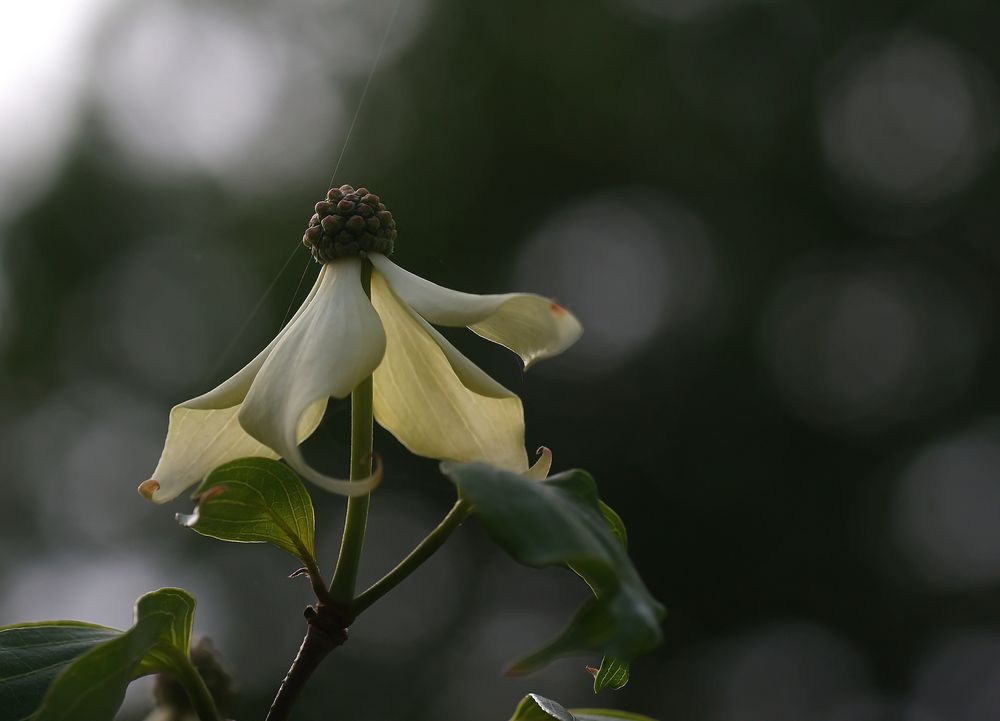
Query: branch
column 327, row 629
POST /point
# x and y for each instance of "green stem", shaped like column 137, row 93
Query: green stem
column 346, row 576
column 316, row 578
column 197, row 691
column 424, row 550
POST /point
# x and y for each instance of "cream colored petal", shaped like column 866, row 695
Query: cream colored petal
column 532, row 326
column 203, row 432
column 539, row 471
column 334, row 345
column 437, row 402
column 232, row 391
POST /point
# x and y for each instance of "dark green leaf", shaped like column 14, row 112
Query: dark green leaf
column 256, row 500
column 615, row 523
column 538, row 708
column 612, row 673
column 174, row 607
column 33, row 654
column 559, row 521
column 93, row 685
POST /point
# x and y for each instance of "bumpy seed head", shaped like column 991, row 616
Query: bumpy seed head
column 348, row 223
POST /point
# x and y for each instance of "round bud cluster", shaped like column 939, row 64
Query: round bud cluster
column 348, row 223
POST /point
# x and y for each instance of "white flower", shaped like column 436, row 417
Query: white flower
column 426, row 393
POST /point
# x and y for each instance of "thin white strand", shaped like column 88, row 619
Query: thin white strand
column 343, row 151
column 291, row 303
column 364, row 91
column 250, row 316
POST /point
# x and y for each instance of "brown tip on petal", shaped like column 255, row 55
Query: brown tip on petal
column 210, row 493
column 148, row 488
column 592, row 671
column 557, row 309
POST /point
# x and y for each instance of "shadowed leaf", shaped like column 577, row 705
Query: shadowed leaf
column 559, row 521
column 32, row 655
column 69, row 671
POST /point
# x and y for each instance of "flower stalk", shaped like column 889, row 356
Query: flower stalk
column 423, row 551
column 327, row 622
column 356, row 521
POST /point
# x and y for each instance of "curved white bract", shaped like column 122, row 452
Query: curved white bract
column 437, row 402
column 335, row 344
column 531, row 325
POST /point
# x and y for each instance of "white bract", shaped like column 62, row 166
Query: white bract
column 426, row 393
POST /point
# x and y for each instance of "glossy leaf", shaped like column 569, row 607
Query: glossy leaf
column 538, row 708
column 33, row 654
column 256, row 500
column 92, row 686
column 559, row 521
column 612, row 674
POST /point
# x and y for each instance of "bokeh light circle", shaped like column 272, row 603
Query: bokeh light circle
column 632, row 264
column 908, row 121
column 861, row 348
column 944, row 515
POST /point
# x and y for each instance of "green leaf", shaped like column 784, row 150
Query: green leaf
column 33, row 654
column 92, row 686
column 559, row 521
column 256, row 500
column 175, row 608
column 612, row 673
column 615, row 523
column 538, row 708
column 606, row 714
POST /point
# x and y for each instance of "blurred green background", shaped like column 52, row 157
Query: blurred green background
column 775, row 219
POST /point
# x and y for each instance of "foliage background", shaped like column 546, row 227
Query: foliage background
column 777, row 221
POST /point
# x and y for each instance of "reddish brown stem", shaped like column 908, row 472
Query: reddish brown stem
column 326, row 629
